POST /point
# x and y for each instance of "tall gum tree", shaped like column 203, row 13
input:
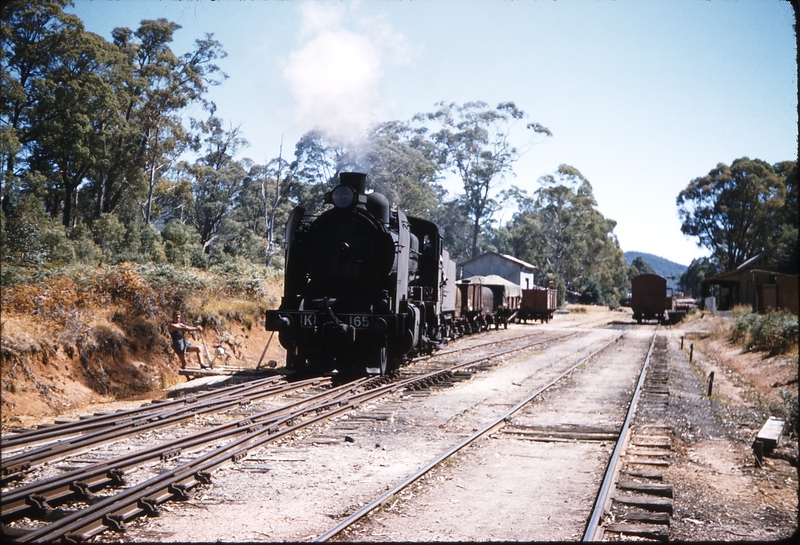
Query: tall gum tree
column 217, row 179
column 559, row 230
column 401, row 168
column 735, row 210
column 474, row 143
column 75, row 107
column 163, row 85
column 57, row 102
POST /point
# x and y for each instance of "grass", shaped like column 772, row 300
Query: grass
column 584, row 309
column 100, row 310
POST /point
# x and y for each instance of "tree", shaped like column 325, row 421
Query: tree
column 474, row 143
column 264, row 203
column 217, row 179
column 402, row 168
column 786, row 253
column 640, row 266
column 561, row 232
column 162, row 86
column 31, row 34
column 693, row 276
column 734, row 211
column 61, row 100
column 319, row 160
column 76, row 112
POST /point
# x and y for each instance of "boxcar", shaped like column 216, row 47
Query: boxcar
column 474, row 303
column 649, row 297
column 538, row 304
column 488, row 300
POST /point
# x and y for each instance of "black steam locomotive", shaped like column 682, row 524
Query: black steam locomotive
column 366, row 288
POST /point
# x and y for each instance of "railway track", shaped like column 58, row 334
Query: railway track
column 601, row 519
column 230, row 441
column 486, row 429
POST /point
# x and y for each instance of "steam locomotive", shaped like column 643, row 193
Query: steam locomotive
column 366, row 287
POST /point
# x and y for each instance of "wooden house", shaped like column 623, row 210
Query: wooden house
column 755, row 284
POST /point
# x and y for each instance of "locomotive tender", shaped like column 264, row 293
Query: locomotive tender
column 366, row 287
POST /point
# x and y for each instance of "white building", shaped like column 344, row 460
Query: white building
column 506, row 266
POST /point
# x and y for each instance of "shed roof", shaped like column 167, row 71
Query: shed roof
column 521, row 263
column 511, row 289
column 754, row 264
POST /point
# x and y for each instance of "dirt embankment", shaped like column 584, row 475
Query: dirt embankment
column 71, row 343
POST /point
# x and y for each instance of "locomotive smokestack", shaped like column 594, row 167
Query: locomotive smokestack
column 356, row 180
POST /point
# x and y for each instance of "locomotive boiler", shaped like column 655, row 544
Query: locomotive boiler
column 366, row 287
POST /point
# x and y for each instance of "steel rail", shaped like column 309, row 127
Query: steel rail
column 144, row 497
column 593, row 524
column 478, row 345
column 43, row 494
column 49, row 431
column 363, row 511
column 26, row 460
column 113, row 511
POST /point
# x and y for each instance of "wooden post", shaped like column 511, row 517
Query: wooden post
column 710, row 383
column 265, row 350
column 691, row 352
column 682, row 342
column 758, row 450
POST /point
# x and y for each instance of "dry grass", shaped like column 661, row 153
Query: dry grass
column 586, row 309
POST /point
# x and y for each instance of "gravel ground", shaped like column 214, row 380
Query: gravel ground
column 296, row 489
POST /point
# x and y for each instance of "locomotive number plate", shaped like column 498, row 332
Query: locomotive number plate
column 359, row 321
column 308, row 319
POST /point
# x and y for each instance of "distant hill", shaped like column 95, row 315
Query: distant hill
column 663, row 267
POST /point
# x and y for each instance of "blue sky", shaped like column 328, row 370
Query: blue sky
column 641, row 96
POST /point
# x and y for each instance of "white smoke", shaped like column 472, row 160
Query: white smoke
column 335, row 75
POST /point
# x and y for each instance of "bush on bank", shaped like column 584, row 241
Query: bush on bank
column 775, row 332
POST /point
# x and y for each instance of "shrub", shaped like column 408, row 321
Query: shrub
column 109, row 235
column 775, row 332
column 57, row 247
column 743, row 323
column 790, row 400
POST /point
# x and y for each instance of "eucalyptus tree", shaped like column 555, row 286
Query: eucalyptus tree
column 786, row 254
column 320, row 158
column 163, row 85
column 639, row 266
column 217, row 179
column 559, row 230
column 734, row 211
column 275, row 192
column 266, row 200
column 693, row 276
column 75, row 110
column 31, row 33
column 473, row 142
column 402, row 166
column 59, row 103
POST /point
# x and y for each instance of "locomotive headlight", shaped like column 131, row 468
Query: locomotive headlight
column 343, row 196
